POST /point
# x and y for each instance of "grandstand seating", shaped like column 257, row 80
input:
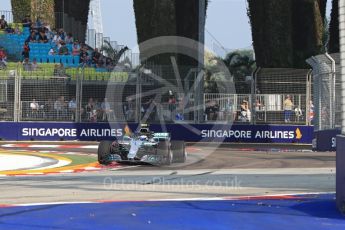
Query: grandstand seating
column 14, row 43
column 39, row 51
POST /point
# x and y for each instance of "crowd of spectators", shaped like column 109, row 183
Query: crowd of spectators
column 60, row 43
column 62, row 109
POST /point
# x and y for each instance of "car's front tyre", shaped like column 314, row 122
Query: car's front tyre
column 179, row 151
column 104, row 151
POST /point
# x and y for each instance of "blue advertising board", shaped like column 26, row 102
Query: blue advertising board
column 326, row 140
column 186, row 132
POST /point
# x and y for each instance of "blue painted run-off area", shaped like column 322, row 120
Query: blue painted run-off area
column 311, row 212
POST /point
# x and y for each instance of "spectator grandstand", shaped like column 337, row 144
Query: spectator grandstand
column 37, row 41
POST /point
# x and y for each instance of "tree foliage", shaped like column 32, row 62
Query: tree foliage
column 112, row 53
column 241, row 64
column 34, row 8
column 20, row 9
column 334, row 39
column 286, row 32
column 156, row 18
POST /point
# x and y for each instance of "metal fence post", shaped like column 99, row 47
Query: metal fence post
column 200, row 84
column 308, row 98
column 138, row 99
column 332, row 92
column 253, row 94
column 17, row 108
column 15, row 103
column 79, row 94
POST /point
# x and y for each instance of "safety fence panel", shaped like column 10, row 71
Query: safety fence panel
column 282, row 96
column 326, row 90
column 45, row 97
column 165, row 97
column 152, row 95
column 7, row 95
column 269, row 108
column 107, row 96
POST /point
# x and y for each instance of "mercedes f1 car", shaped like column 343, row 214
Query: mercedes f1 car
column 142, row 147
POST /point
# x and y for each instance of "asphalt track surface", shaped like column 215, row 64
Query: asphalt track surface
column 209, row 173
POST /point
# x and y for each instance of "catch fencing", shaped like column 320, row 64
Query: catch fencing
column 326, row 90
column 153, row 94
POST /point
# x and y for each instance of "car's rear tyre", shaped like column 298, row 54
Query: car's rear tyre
column 104, row 150
column 179, row 151
column 164, row 150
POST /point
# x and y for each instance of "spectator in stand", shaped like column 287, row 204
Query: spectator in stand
column 63, row 49
column 98, row 109
column 56, row 37
column 60, row 107
column 27, row 21
column 26, row 51
column 17, row 30
column 42, row 37
column 75, row 48
column 34, row 65
column 3, row 23
column 288, row 106
column 172, row 104
column 58, row 46
column 84, row 57
column 27, row 66
column 32, row 37
column 62, row 34
column 3, row 58
column 51, row 51
column 39, row 23
column 108, row 64
column 107, row 112
column 9, row 30
column 50, row 34
column 72, row 107
column 34, row 106
column 60, row 71
column 69, row 39
column 245, row 112
column 90, row 110
column 95, row 56
column 100, row 63
column 46, row 27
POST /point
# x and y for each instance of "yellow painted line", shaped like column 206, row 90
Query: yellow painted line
column 50, row 170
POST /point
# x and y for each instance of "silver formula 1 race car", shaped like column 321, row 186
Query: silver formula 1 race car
column 142, row 147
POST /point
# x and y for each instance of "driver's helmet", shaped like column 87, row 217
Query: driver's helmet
column 143, row 138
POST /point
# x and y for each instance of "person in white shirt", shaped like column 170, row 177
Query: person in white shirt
column 34, row 106
column 51, row 51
